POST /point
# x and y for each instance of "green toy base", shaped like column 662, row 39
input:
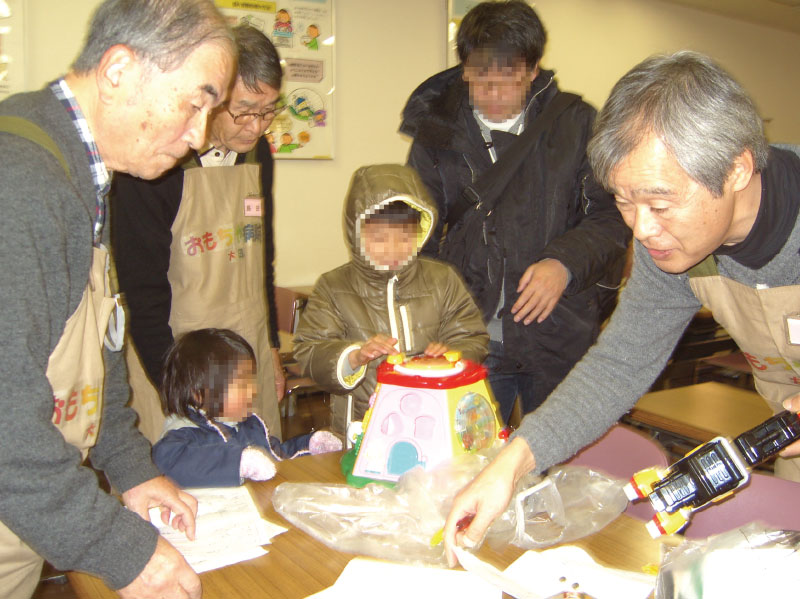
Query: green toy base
column 348, row 463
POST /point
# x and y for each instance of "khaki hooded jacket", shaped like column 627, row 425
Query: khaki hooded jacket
column 422, row 302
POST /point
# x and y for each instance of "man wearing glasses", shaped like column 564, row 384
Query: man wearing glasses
column 194, row 249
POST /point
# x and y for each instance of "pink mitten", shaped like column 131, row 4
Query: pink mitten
column 256, row 465
column 324, row 442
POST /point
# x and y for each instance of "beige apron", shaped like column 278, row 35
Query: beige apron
column 217, row 277
column 756, row 320
column 76, row 373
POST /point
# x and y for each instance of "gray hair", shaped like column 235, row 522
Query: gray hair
column 258, row 58
column 703, row 116
column 161, row 32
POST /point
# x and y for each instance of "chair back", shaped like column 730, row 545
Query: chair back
column 298, row 306
column 620, row 453
column 766, row 498
column 284, row 308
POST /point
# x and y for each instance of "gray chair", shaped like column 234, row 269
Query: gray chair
column 288, row 306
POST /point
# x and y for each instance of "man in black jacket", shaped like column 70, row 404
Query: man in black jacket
column 194, row 249
column 555, row 240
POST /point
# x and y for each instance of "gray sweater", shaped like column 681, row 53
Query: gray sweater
column 654, row 309
column 46, row 496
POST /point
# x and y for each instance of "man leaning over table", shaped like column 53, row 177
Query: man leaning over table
column 135, row 100
column 194, row 248
column 714, row 213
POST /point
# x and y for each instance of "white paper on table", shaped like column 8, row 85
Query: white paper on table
column 472, row 563
column 744, row 572
column 228, row 529
column 204, row 563
column 543, row 571
column 367, row 578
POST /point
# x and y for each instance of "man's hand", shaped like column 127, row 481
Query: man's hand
column 539, row 290
column 377, row 346
column 161, row 492
column 280, row 376
column 793, row 405
column 435, row 349
column 486, row 497
column 166, row 575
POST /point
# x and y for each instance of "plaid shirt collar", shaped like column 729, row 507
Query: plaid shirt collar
column 100, row 174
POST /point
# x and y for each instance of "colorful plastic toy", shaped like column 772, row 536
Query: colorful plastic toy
column 709, row 473
column 423, row 411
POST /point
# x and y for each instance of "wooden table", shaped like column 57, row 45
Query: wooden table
column 701, row 412
column 298, row 565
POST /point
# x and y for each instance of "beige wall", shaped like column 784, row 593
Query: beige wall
column 384, row 48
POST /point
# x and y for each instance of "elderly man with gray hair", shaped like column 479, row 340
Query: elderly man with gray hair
column 714, row 214
column 136, row 100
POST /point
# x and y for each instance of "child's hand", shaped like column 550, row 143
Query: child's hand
column 435, row 349
column 255, row 464
column 379, row 345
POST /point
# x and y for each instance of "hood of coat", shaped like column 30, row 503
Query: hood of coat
column 371, row 188
column 435, row 110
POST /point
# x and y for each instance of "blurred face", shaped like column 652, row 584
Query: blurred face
column 159, row 116
column 679, row 221
column 389, row 246
column 498, row 91
column 228, row 134
column 241, row 391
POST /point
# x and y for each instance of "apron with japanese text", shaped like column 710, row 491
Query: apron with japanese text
column 76, row 373
column 757, row 320
column 216, row 273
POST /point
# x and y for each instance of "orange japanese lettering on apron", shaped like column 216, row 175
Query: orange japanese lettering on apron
column 217, row 277
column 75, row 369
column 756, row 320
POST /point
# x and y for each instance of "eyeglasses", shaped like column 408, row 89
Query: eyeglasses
column 249, row 117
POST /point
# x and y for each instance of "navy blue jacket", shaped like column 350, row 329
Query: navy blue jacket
column 207, row 453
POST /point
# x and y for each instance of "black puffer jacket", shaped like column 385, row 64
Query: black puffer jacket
column 554, row 208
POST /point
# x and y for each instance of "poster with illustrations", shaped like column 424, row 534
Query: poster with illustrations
column 12, row 71
column 302, row 32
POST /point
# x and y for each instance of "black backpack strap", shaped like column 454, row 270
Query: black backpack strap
column 483, row 194
column 26, row 129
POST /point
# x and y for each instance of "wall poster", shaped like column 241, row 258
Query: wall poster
column 12, row 39
column 302, row 31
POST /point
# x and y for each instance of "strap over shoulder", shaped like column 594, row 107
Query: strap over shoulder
column 22, row 127
column 484, row 193
column 706, row 268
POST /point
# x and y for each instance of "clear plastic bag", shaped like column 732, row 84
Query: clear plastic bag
column 752, row 561
column 570, row 503
column 398, row 523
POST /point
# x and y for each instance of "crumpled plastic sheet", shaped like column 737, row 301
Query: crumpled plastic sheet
column 751, row 561
column 397, row 524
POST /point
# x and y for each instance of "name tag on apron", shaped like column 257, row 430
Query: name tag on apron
column 793, row 329
column 252, row 206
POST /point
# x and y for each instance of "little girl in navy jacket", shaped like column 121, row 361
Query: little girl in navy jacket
column 209, row 440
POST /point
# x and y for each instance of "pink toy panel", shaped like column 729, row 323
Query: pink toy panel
column 408, row 427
